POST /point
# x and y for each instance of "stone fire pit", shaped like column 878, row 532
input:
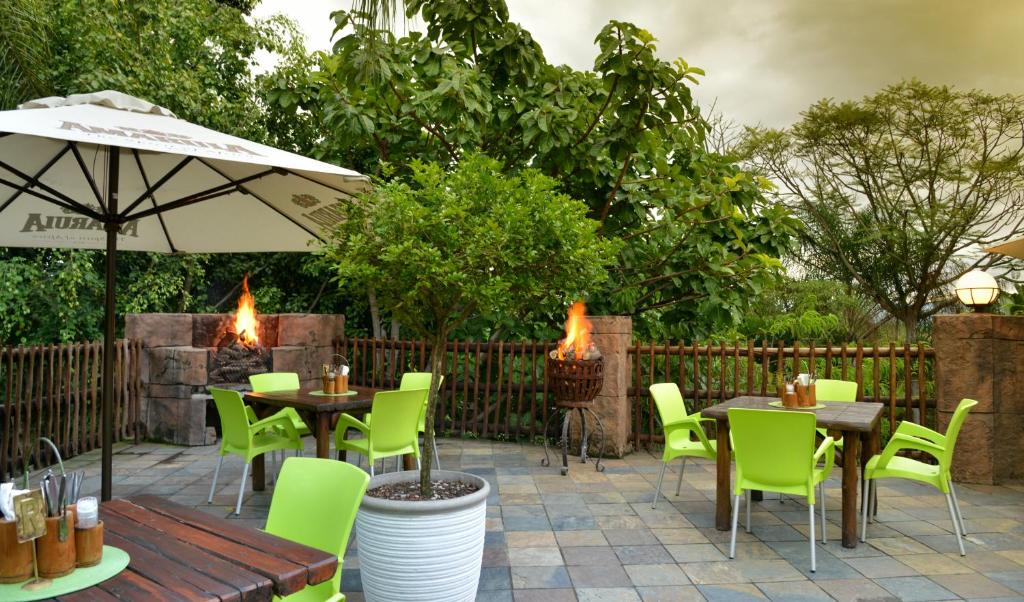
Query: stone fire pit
column 184, row 354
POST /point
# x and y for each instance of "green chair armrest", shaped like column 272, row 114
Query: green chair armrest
column 690, row 423
column 251, row 415
column 921, row 432
column 828, row 450
column 347, row 421
column 278, row 420
column 900, row 441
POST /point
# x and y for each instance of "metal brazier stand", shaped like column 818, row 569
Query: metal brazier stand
column 575, row 384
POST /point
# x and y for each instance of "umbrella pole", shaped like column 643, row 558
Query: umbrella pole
column 112, row 226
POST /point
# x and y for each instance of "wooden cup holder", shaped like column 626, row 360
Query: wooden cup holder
column 89, row 545
column 56, row 558
column 15, row 557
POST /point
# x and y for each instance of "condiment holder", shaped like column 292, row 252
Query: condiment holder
column 334, row 376
column 15, row 556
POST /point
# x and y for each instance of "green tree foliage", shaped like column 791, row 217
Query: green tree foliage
column 442, row 246
column 812, row 310
column 626, row 138
column 901, row 190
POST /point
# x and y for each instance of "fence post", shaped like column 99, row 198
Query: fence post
column 613, row 335
column 979, row 356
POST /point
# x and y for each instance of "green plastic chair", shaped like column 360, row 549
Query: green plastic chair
column 679, row 429
column 315, row 503
column 911, row 436
column 827, row 389
column 393, row 431
column 775, row 452
column 417, row 380
column 281, row 381
column 242, row 437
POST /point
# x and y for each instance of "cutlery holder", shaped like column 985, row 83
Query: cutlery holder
column 56, row 558
column 89, row 545
column 15, row 557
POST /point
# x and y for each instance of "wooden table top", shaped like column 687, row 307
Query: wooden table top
column 179, row 553
column 304, row 400
column 859, row 416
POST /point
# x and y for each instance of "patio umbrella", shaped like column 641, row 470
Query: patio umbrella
column 1013, row 248
column 111, row 171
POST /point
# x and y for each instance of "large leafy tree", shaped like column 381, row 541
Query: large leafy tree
column 901, row 191
column 626, row 138
column 443, row 246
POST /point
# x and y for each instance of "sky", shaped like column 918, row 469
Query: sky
column 767, row 60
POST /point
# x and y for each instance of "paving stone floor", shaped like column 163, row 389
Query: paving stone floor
column 593, row 536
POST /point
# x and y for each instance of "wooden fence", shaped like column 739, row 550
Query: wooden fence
column 55, row 391
column 901, row 377
column 498, row 389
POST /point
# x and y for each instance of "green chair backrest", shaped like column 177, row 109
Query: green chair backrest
column 953, row 430
column 827, row 389
column 395, row 419
column 669, row 402
column 773, row 447
column 315, row 503
column 274, row 381
column 420, row 380
column 234, row 425
column 415, row 380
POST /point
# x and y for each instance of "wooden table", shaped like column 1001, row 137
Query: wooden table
column 179, row 553
column 858, row 422
column 319, row 411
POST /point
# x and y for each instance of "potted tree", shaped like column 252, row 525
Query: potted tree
column 440, row 247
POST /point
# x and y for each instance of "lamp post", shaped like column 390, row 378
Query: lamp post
column 977, row 289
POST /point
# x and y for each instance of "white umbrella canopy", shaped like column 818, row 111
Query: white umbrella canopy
column 111, row 171
column 257, row 198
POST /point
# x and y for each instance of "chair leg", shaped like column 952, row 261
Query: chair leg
column 810, row 513
column 437, row 458
column 213, row 485
column 824, row 525
column 657, row 488
column 959, row 513
column 241, row 489
column 748, row 510
column 371, row 466
column 872, row 501
column 956, row 524
column 735, row 520
column 679, row 483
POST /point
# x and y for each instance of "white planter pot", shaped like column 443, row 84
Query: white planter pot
column 422, row 550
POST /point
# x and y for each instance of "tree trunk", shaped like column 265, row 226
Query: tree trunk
column 371, row 295
column 910, row 324
column 437, row 357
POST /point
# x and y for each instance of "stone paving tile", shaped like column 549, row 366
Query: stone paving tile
column 656, row 574
column 601, row 526
column 732, row 592
column 608, row 594
column 793, row 591
column 598, row 576
column 855, row 590
column 915, row 589
column 652, row 554
column 973, row 586
column 670, row 593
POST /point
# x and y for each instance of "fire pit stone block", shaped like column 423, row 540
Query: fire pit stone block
column 304, row 360
column 159, row 330
column 313, row 330
column 178, row 365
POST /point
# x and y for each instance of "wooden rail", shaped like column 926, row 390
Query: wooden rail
column 499, row 389
column 55, row 391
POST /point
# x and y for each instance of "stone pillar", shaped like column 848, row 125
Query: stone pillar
column 613, row 336
column 981, row 356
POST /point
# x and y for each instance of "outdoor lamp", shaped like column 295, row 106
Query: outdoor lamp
column 977, row 289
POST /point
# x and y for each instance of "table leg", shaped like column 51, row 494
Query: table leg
column 850, row 479
column 723, row 503
column 259, row 473
column 409, row 462
column 323, row 435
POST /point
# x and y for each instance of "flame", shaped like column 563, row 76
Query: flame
column 577, row 332
column 246, row 324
